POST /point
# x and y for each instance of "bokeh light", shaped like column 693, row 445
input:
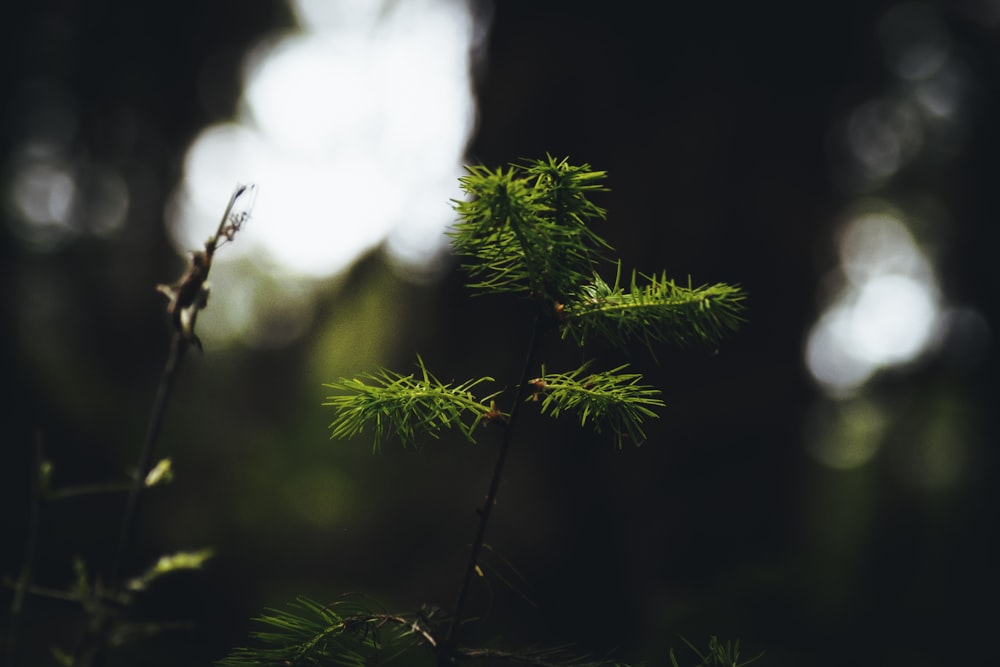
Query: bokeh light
column 53, row 192
column 886, row 309
column 355, row 130
column 845, row 434
column 887, row 312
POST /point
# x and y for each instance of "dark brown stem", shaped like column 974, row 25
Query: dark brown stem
column 91, row 650
column 187, row 297
column 178, row 347
column 23, row 583
column 447, row 648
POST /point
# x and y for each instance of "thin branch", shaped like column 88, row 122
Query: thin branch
column 43, row 591
column 178, row 347
column 88, row 490
column 92, row 645
column 23, row 583
column 186, row 298
column 447, row 647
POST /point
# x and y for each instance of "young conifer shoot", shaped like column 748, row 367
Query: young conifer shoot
column 526, row 230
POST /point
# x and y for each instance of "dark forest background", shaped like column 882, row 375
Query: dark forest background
column 721, row 127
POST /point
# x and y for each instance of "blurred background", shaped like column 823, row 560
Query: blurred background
column 821, row 486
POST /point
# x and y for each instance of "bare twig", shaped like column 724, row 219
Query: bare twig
column 186, row 298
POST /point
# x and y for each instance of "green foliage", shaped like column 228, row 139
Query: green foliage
column 161, row 473
column 526, row 229
column 182, row 560
column 354, row 632
column 611, row 399
column 658, row 311
column 717, row 655
column 347, row 632
column 404, row 405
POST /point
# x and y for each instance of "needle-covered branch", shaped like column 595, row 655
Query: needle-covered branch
column 611, row 400
column 346, row 632
column 354, row 632
column 658, row 311
column 527, row 227
column 407, row 406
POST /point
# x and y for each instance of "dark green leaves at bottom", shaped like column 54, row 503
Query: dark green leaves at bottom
column 718, row 655
column 346, row 632
column 610, row 399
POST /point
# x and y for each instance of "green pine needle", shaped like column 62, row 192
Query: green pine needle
column 657, row 311
column 353, row 632
column 346, row 632
column 610, row 399
column 718, row 655
column 406, row 406
column 528, row 227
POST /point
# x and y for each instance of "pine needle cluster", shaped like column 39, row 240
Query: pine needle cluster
column 611, row 398
column 349, row 633
column 654, row 312
column 527, row 229
column 405, row 406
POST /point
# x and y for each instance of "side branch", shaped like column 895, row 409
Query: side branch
column 405, row 405
column 610, row 399
column 186, row 298
column 659, row 311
